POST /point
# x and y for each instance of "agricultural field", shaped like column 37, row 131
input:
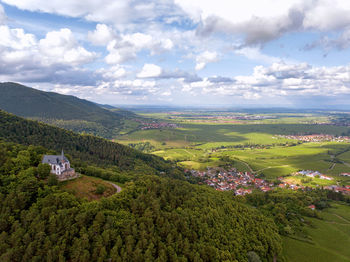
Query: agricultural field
column 249, row 142
column 330, row 238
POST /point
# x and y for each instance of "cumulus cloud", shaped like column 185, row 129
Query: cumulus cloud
column 61, row 46
column 204, row 58
column 278, row 80
column 113, row 72
column 254, row 53
column 181, row 75
column 16, row 38
column 150, row 70
column 126, row 46
column 136, row 87
column 121, row 13
column 51, row 59
column 3, row 16
column 341, row 42
column 258, row 21
column 265, row 20
column 102, row 35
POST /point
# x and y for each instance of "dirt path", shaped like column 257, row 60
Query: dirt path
column 115, row 186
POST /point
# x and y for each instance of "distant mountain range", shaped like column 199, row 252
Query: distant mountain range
column 64, row 111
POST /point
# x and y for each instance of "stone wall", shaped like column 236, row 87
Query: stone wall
column 67, row 175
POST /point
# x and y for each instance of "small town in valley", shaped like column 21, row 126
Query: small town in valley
column 243, row 183
column 156, row 125
column 316, row 138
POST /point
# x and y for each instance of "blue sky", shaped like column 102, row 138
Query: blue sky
column 181, row 52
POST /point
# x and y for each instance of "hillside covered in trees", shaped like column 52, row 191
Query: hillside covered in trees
column 152, row 219
column 84, row 148
column 65, row 111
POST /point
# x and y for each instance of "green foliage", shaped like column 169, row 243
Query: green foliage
column 52, row 180
column 112, row 174
column 142, row 146
column 100, row 189
column 43, row 170
column 152, row 219
column 82, row 147
column 288, row 208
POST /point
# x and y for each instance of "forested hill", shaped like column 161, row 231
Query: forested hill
column 62, row 110
column 96, row 150
column 152, row 219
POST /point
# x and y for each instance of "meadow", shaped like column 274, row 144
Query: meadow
column 86, row 187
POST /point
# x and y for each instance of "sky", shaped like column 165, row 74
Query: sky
column 290, row 53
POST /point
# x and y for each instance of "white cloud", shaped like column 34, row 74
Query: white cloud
column 251, row 96
column 102, row 35
column 278, row 80
column 61, row 46
column 263, row 20
column 137, row 87
column 166, row 93
column 328, row 15
column 340, row 42
column 204, row 58
column 3, row 17
column 126, row 46
column 254, row 53
column 258, row 20
column 51, row 59
column 113, row 72
column 150, row 70
column 121, row 13
column 16, row 38
column 236, row 12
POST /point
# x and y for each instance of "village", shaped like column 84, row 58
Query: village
column 243, row 183
column 316, row 138
column 156, row 125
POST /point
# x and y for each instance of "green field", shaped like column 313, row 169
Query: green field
column 232, row 134
column 330, row 238
column 250, row 145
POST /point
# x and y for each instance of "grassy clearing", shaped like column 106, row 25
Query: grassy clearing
column 85, row 187
column 196, row 165
column 312, row 183
column 330, row 238
column 179, row 154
